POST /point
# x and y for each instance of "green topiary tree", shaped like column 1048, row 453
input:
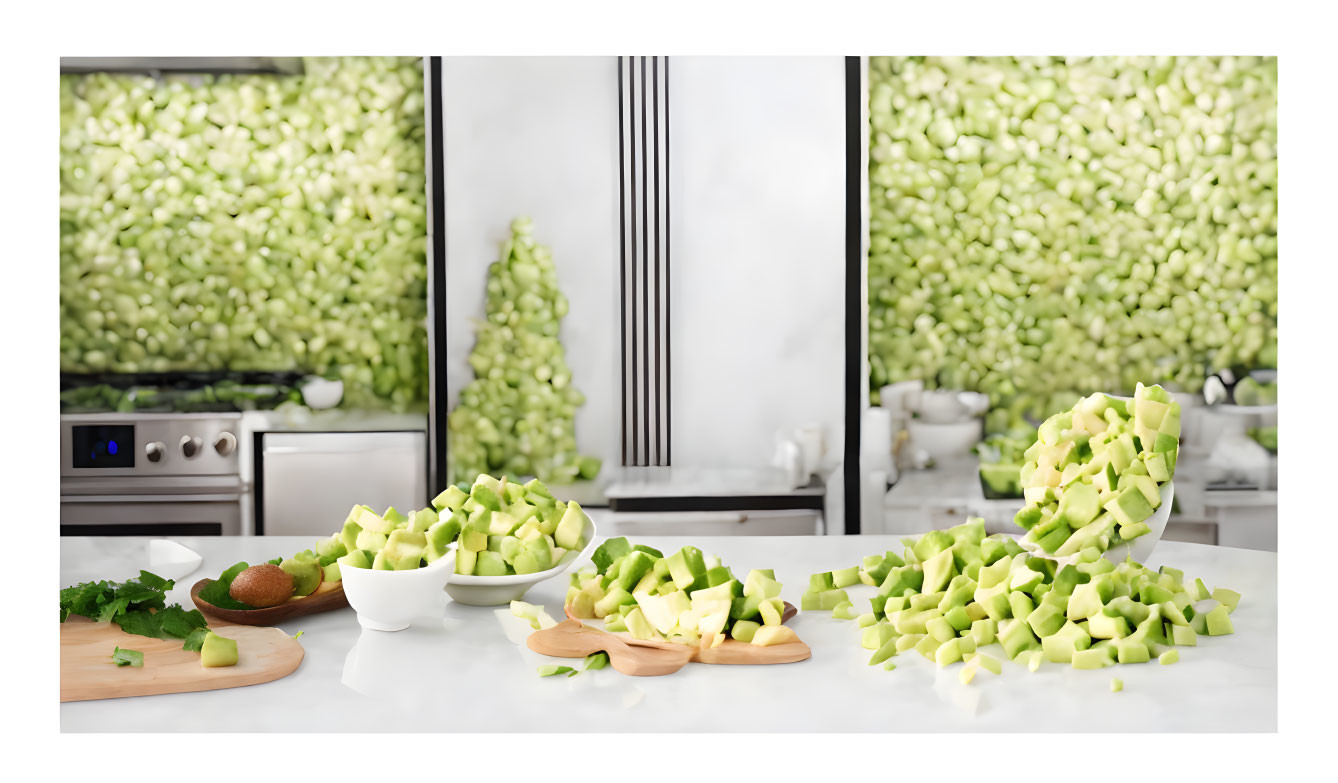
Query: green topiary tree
column 517, row 417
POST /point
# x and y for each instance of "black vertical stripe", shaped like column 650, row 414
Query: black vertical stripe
column 636, row 430
column 655, row 82
column 622, row 262
column 668, row 290
column 644, row 176
column 854, row 366
column 438, row 475
column 645, row 269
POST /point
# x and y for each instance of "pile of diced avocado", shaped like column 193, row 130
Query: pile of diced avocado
column 503, row 528
column 1093, row 476
column 510, row 528
column 953, row 592
column 393, row 541
column 686, row 598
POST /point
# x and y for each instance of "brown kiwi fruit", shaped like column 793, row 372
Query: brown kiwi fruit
column 262, row 586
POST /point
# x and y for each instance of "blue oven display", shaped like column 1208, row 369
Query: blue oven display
column 104, row 446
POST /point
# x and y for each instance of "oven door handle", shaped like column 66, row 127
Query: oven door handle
column 223, row 498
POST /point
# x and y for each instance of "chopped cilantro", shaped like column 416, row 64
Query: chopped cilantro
column 138, row 606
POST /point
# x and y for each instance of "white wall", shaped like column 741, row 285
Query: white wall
column 758, row 254
column 758, row 173
column 537, row 136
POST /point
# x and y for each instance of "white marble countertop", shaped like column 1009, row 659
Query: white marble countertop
column 467, row 669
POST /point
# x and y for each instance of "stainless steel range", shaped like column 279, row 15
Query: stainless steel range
column 150, row 474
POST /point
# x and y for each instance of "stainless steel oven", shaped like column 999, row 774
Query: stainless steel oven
column 150, row 474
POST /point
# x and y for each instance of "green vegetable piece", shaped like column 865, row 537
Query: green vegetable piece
column 1219, row 622
column 1116, row 685
column 549, row 670
column 127, row 657
column 218, row 651
column 1169, row 657
column 596, row 661
column 1228, row 598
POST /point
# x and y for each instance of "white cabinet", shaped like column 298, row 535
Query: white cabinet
column 306, row 482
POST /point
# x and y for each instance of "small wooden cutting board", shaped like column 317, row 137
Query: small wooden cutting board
column 572, row 638
column 87, row 671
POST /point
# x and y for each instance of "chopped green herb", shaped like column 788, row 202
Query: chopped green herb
column 195, row 640
column 128, row 657
column 299, row 633
column 138, row 606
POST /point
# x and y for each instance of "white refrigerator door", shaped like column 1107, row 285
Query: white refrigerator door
column 310, row 480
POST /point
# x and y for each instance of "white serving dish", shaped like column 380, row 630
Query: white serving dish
column 318, row 393
column 943, row 441
column 501, row 590
column 390, row 600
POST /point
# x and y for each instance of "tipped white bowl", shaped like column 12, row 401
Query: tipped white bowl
column 390, row 600
column 1139, row 549
column 501, row 590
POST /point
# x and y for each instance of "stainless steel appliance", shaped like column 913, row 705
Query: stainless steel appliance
column 150, row 474
column 306, row 482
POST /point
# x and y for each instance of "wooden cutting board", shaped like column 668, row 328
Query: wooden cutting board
column 640, row 658
column 87, row 671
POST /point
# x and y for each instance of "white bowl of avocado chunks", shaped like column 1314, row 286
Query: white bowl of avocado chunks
column 512, row 537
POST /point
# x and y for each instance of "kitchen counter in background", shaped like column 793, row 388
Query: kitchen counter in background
column 467, row 669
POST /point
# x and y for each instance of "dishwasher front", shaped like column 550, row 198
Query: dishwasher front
column 306, row 482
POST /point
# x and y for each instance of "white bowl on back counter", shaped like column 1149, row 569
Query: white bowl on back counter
column 501, row 590
column 390, row 600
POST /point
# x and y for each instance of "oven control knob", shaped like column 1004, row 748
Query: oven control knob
column 225, row 443
column 155, row 451
column 190, row 446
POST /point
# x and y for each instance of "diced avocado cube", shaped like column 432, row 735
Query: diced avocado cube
column 486, row 496
column 1157, row 467
column 1015, row 637
column 490, row 564
column 938, row 570
column 1219, row 622
column 1130, row 651
column 1027, row 517
column 910, row 641
column 884, row 651
column 983, row 631
column 958, row 618
column 842, row 611
column 1116, row 685
column 845, row 577
column 876, row 635
column 1045, row 620
column 572, row 527
column 687, row 568
column 744, row 630
column 1104, row 626
column 810, row 601
column 1021, row 606
column 1129, row 506
column 632, row 569
column 927, row 646
column 948, row 652
column 1228, row 598
column 609, row 551
column 358, row 558
column 1091, row 659
column 940, row 629
column 452, row 498
column 831, row 598
column 821, row 582
column 1169, row 657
